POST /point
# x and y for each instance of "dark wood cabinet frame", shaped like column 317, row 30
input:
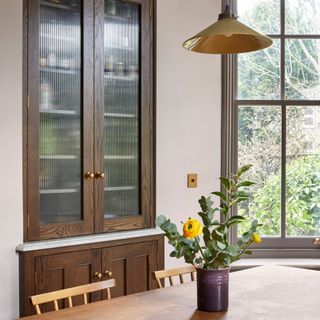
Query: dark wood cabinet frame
column 92, row 125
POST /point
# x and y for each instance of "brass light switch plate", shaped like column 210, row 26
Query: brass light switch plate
column 192, row 180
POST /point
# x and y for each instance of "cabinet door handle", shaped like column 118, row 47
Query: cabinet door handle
column 98, row 275
column 89, row 175
column 108, row 273
column 99, row 175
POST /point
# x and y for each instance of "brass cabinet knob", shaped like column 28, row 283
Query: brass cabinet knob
column 100, row 175
column 98, row 275
column 108, row 273
column 89, row 175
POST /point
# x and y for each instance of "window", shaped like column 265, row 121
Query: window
column 275, row 114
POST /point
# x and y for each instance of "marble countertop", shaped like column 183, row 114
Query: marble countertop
column 58, row 243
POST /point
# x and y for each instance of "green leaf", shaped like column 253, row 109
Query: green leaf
column 216, row 223
column 212, row 245
column 206, row 235
column 246, row 237
column 243, row 169
column 248, row 252
column 205, row 203
column 173, row 254
column 245, row 184
column 221, row 245
column 160, row 220
column 227, row 261
column 224, row 208
column 237, row 217
column 219, row 232
column 240, row 194
column 225, row 182
column 240, row 243
column 220, row 194
column 232, row 250
column 205, row 219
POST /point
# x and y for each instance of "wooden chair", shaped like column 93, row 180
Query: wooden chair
column 170, row 273
column 68, row 293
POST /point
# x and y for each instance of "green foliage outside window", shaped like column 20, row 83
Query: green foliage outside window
column 260, row 128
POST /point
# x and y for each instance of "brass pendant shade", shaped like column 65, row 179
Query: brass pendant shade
column 226, row 36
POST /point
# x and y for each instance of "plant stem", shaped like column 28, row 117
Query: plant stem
column 206, row 262
column 244, row 249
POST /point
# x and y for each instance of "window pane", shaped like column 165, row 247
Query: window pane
column 303, row 171
column 302, row 69
column 260, row 15
column 259, row 144
column 259, row 74
column 302, row 16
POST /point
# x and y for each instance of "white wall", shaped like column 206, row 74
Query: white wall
column 11, row 154
column 188, row 125
column 188, row 110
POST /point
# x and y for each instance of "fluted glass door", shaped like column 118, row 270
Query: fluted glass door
column 121, row 109
column 60, row 118
column 60, row 111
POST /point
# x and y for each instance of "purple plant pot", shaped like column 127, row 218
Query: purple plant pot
column 213, row 289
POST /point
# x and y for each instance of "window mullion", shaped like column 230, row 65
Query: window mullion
column 283, row 121
column 283, row 168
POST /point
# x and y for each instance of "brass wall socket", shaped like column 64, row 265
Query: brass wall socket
column 192, row 180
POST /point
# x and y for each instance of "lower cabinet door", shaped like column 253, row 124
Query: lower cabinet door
column 131, row 266
column 55, row 272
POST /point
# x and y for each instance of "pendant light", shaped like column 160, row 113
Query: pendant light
column 226, row 36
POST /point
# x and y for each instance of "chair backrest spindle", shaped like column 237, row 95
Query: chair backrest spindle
column 70, row 302
column 170, row 273
column 68, row 293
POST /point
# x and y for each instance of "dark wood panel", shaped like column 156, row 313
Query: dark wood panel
column 99, row 113
column 25, row 120
column 132, row 262
column 32, row 171
column 47, row 273
column 141, row 277
column 147, row 114
column 119, row 270
column 88, row 121
column 132, row 266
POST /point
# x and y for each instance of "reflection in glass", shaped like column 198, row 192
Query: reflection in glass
column 303, row 171
column 121, row 112
column 302, row 69
column 302, row 17
column 60, row 111
column 259, row 144
column 259, row 74
column 260, row 15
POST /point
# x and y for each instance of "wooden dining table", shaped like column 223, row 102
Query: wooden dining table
column 267, row 292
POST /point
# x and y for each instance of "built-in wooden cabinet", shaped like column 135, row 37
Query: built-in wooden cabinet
column 89, row 148
column 89, row 136
column 130, row 262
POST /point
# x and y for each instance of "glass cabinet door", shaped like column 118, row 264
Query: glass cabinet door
column 123, row 105
column 89, row 140
column 57, row 78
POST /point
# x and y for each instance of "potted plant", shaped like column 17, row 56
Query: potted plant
column 213, row 255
